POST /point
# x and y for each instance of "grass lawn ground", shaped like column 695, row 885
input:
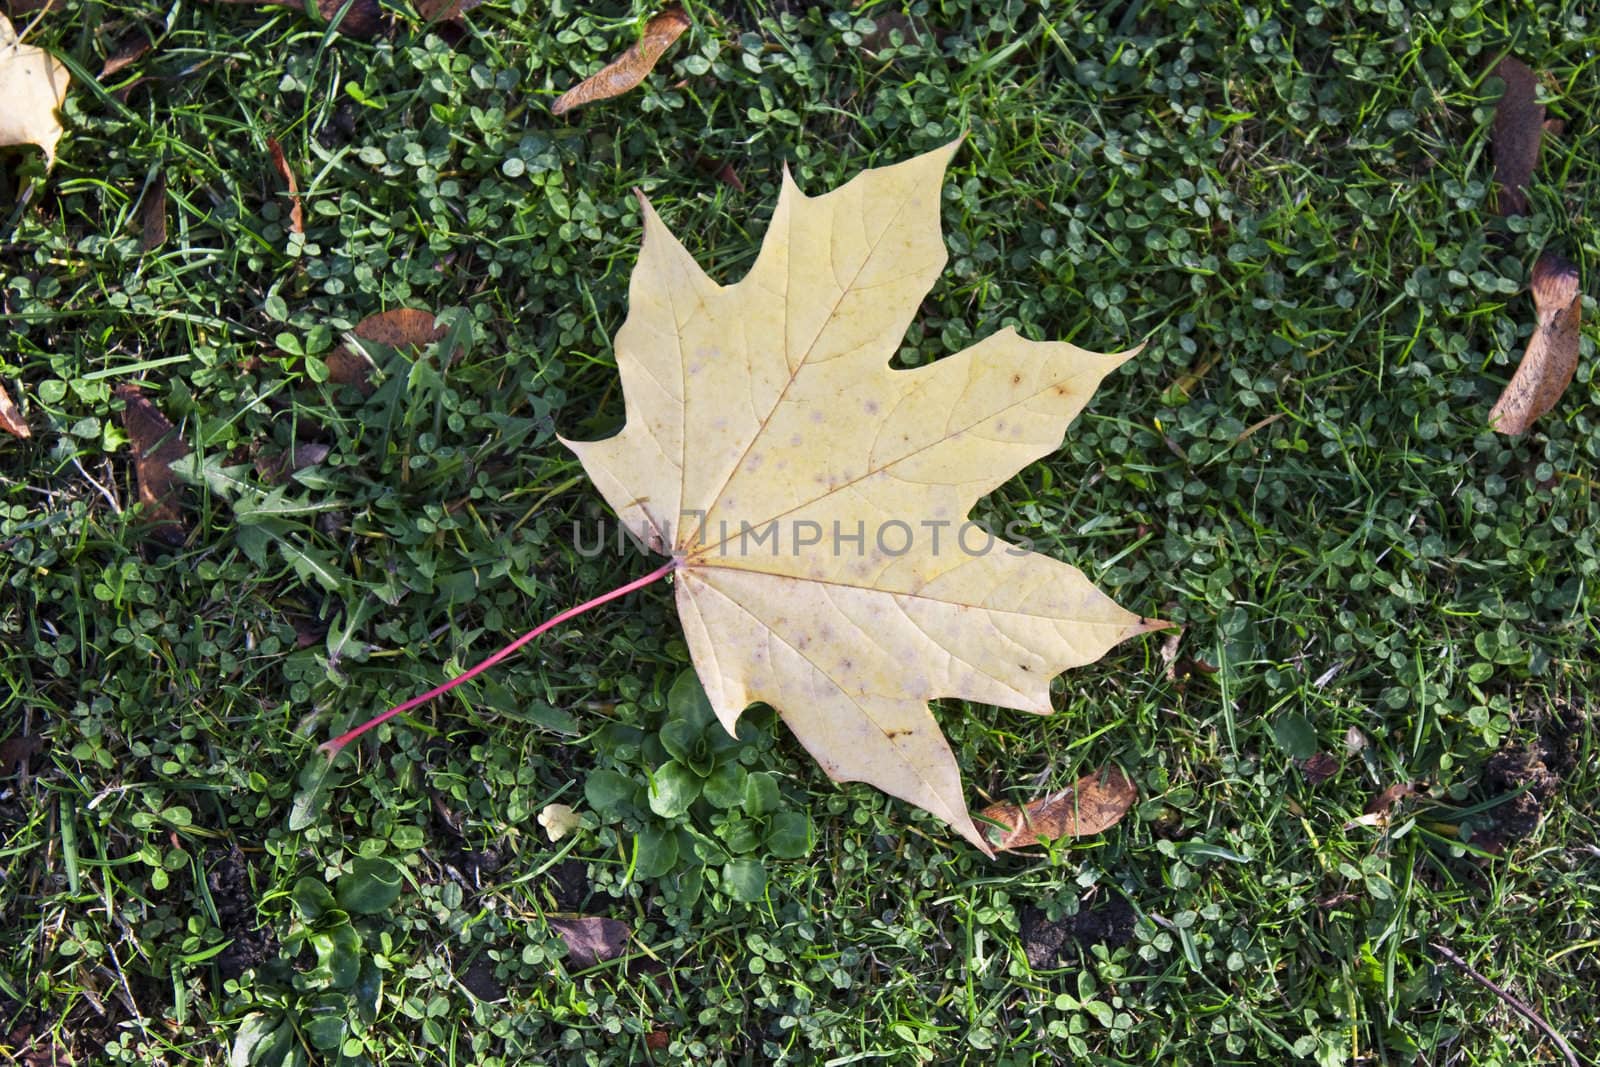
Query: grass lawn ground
column 1292, row 203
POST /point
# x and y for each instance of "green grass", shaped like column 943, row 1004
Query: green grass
column 1292, row 206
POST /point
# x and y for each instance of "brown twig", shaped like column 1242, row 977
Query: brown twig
column 1522, row 1009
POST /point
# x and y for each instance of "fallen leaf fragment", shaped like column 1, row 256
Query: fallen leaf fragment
column 1318, row 767
column 1518, row 129
column 129, row 50
column 1091, row 805
column 11, row 419
column 559, row 820
column 657, row 1040
column 629, row 69
column 591, row 939
column 1380, row 804
column 33, row 84
column 363, row 21
column 400, row 328
column 156, row 446
column 445, row 10
column 153, row 214
column 276, row 469
column 397, row 328
column 297, row 215
column 799, row 481
column 1551, row 360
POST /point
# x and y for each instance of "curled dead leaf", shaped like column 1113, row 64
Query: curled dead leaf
column 1518, row 129
column 11, row 419
column 297, row 215
column 156, row 446
column 33, row 84
column 629, row 69
column 1551, row 359
column 590, row 939
column 1091, row 805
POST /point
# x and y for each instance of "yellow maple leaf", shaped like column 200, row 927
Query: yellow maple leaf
column 816, row 499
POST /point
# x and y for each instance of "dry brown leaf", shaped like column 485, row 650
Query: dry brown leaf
column 153, row 213
column 297, row 215
column 11, row 419
column 445, row 10
column 657, row 1040
column 1380, row 804
column 276, row 469
column 768, row 409
column 129, row 50
column 1551, row 360
column 1518, row 128
column 397, row 328
column 363, row 21
column 590, row 939
column 156, row 446
column 1318, row 767
column 400, row 328
column 630, row 68
column 1091, row 805
column 33, row 83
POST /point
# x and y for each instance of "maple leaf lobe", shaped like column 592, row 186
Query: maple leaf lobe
column 769, row 445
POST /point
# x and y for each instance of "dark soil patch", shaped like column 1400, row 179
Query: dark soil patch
column 1513, row 768
column 568, row 882
column 25, row 1038
column 253, row 944
column 1048, row 942
column 480, row 981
